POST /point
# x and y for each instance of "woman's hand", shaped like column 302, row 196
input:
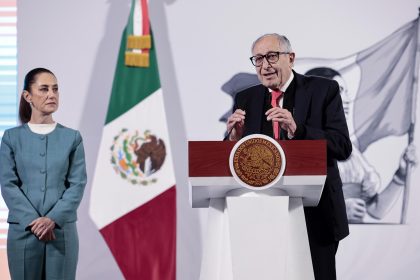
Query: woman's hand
column 43, row 228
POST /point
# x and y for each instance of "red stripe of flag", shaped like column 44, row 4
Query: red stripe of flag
column 145, row 17
column 143, row 242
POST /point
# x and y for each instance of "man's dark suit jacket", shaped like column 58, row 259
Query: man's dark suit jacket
column 318, row 112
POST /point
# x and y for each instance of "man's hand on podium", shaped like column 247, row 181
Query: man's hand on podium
column 235, row 125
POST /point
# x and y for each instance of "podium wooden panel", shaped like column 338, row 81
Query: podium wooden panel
column 211, row 158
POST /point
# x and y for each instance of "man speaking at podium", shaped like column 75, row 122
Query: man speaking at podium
column 290, row 106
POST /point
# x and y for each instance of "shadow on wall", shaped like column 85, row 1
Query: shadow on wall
column 95, row 260
column 238, row 83
column 188, row 226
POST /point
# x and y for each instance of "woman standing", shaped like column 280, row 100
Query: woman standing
column 42, row 178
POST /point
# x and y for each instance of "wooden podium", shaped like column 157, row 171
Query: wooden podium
column 256, row 234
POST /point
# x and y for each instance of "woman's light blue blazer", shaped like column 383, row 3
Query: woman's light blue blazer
column 42, row 176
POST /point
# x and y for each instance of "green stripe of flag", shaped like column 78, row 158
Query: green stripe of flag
column 131, row 84
column 129, row 28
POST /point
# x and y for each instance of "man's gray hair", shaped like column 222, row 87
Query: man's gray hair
column 283, row 41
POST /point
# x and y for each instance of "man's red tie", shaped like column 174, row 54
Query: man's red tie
column 275, row 97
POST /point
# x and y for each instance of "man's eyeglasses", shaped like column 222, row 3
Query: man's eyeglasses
column 272, row 57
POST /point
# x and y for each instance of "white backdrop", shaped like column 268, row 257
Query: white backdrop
column 201, row 45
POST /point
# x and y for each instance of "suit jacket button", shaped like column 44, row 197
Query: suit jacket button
column 42, row 154
column 42, row 137
column 43, row 189
column 42, row 171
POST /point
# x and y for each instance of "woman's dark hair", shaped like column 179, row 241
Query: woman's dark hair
column 25, row 110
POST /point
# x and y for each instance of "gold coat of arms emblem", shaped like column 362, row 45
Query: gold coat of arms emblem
column 257, row 161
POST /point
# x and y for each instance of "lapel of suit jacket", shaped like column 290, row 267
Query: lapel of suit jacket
column 302, row 99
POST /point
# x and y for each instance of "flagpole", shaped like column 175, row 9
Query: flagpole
column 412, row 126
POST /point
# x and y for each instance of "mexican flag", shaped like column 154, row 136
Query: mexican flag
column 133, row 200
